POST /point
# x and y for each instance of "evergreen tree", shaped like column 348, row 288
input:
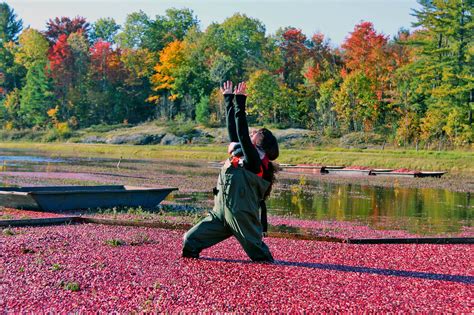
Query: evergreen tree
column 446, row 61
column 10, row 25
column 11, row 74
column 36, row 96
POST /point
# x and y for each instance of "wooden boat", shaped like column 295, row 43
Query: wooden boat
column 307, row 168
column 62, row 198
column 409, row 174
column 345, row 171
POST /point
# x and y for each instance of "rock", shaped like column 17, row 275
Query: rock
column 170, row 139
column 137, row 139
column 93, row 139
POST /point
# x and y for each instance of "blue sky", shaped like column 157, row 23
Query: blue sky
column 334, row 18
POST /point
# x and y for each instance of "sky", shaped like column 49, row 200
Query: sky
column 333, row 18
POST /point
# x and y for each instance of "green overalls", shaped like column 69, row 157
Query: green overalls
column 236, row 212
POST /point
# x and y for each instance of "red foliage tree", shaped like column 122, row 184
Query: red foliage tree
column 367, row 51
column 65, row 26
column 61, row 63
column 295, row 51
column 106, row 64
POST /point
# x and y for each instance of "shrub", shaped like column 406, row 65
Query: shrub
column 181, row 129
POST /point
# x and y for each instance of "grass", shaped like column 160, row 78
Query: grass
column 114, row 242
column 56, row 267
column 455, row 162
column 8, row 232
column 72, row 286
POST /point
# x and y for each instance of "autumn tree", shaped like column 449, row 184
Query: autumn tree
column 163, row 81
column 294, row 49
column 367, row 52
column 65, row 26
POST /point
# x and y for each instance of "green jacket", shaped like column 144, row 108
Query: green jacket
column 239, row 192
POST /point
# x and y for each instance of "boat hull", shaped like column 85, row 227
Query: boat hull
column 64, row 198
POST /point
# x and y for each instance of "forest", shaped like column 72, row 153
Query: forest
column 415, row 88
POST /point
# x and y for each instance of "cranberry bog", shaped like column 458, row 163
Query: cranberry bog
column 83, row 268
column 131, row 262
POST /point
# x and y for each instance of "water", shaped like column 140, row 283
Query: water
column 419, row 211
column 28, row 159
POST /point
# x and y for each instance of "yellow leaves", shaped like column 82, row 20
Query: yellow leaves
column 53, row 112
column 9, row 125
column 171, row 58
column 62, row 127
column 153, row 99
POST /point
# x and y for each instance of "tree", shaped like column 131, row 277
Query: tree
column 367, row 52
column 203, row 111
column 242, row 39
column 11, row 74
column 104, row 29
column 445, row 60
column 36, row 95
column 135, row 29
column 164, row 78
column 262, row 89
column 294, row 49
column 65, row 26
column 33, row 47
column 10, row 25
column 355, row 102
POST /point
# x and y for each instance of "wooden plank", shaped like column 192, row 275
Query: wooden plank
column 39, row 222
column 293, row 233
column 421, row 240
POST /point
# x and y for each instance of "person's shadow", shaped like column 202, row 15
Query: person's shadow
column 370, row 270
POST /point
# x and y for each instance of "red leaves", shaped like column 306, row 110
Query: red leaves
column 65, row 26
column 106, row 63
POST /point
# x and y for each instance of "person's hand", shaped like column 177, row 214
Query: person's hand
column 240, row 89
column 226, row 88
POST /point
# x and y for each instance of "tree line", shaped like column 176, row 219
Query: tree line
column 416, row 87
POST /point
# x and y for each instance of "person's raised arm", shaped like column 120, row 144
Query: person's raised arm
column 226, row 89
column 252, row 160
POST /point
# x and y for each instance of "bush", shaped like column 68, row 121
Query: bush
column 203, row 111
column 60, row 131
column 26, row 135
column 107, row 128
column 180, row 129
column 361, row 140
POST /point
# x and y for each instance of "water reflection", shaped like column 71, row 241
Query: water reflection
column 418, row 210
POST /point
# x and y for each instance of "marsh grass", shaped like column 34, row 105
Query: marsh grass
column 457, row 162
